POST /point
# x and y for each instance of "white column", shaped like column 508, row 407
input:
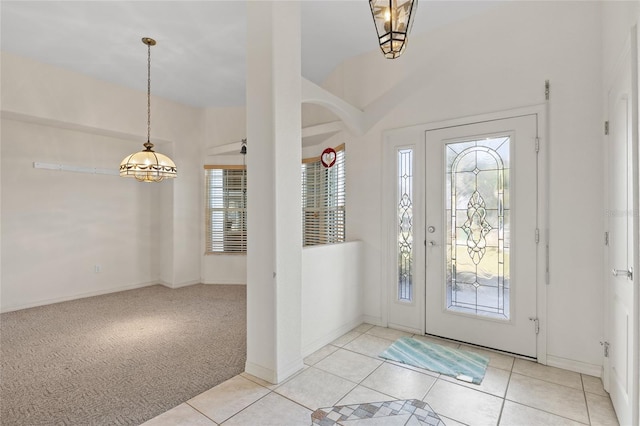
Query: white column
column 274, row 227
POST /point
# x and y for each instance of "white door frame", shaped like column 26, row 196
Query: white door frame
column 415, row 135
column 630, row 49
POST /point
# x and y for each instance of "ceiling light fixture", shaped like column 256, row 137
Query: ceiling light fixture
column 148, row 165
column 393, row 21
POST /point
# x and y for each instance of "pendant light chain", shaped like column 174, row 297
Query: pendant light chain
column 149, row 93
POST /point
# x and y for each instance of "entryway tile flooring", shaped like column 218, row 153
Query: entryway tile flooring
column 346, row 372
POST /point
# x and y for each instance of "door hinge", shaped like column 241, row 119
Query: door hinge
column 537, row 235
column 606, row 238
column 536, row 323
column 537, row 144
column 605, row 348
column 547, row 89
column 606, row 127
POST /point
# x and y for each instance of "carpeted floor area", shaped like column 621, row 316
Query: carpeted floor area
column 121, row 358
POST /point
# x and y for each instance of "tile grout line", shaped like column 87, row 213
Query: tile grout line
column 230, row 417
column 323, row 371
column 586, row 402
column 547, row 412
column 540, row 409
column 548, row 381
column 506, row 390
column 187, row 402
column 326, row 356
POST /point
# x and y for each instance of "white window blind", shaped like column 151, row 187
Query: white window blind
column 323, row 201
column 226, row 215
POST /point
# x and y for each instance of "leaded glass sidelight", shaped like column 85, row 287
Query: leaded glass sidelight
column 405, row 224
column 477, row 230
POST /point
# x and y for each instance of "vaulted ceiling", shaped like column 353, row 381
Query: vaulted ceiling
column 200, row 56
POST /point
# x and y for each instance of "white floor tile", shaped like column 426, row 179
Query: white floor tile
column 399, row 382
column 388, row 333
column 320, row 354
column 379, row 421
column 450, row 422
column 549, row 374
column 368, row 345
column 560, row 400
column 349, row 371
column 272, row 410
column 361, row 394
column 315, row 388
column 182, row 415
column 228, row 398
column 601, row 410
column 349, row 365
column 463, row 404
column 346, row 338
column 593, row 384
column 258, row 380
column 514, row 414
column 363, row 328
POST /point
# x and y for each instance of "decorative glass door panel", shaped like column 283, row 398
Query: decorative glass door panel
column 481, row 205
column 405, row 225
column 477, row 236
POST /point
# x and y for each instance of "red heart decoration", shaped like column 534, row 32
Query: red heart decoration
column 328, row 157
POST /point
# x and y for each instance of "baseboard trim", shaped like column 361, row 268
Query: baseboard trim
column 573, row 365
column 372, row 320
column 225, row 283
column 260, row 372
column 76, row 296
column 290, row 370
column 179, row 285
column 311, row 347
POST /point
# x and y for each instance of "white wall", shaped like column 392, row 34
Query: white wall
column 493, row 62
column 332, row 290
column 58, row 225
column 49, row 250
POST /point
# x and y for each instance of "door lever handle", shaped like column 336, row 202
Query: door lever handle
column 623, row 273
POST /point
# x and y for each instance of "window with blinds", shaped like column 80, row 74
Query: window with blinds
column 226, row 214
column 323, row 201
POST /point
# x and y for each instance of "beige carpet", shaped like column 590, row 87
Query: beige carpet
column 119, row 359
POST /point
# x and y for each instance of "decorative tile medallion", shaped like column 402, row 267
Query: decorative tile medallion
column 417, row 410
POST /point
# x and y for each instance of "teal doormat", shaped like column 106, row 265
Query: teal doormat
column 463, row 365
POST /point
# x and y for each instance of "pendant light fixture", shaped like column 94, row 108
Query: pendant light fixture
column 148, row 165
column 393, row 21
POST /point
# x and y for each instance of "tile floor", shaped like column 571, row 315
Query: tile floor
column 348, row 371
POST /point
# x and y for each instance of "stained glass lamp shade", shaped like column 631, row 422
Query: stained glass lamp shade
column 148, row 165
column 393, row 21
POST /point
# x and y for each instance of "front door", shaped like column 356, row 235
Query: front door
column 621, row 368
column 482, row 236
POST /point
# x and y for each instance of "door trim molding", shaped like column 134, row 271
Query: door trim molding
column 415, row 134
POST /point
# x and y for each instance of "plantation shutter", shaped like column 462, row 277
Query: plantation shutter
column 226, row 216
column 323, row 201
